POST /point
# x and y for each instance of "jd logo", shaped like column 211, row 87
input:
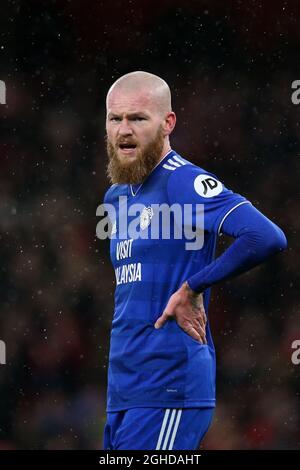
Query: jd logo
column 2, row 92
column 2, row 352
column 206, row 186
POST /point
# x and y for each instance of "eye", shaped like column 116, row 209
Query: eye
column 139, row 118
column 115, row 119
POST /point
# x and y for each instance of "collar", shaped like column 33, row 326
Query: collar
column 134, row 188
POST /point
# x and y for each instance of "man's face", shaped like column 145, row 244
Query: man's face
column 135, row 137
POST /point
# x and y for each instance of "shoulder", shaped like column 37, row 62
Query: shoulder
column 189, row 177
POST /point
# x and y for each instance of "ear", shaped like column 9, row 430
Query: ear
column 169, row 123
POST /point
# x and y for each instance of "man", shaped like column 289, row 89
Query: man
column 161, row 377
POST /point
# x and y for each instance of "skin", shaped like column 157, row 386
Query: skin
column 186, row 307
column 137, row 105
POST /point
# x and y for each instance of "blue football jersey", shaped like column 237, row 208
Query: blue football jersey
column 163, row 367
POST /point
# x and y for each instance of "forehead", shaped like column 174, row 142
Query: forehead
column 121, row 101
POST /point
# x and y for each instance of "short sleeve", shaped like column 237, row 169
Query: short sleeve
column 192, row 185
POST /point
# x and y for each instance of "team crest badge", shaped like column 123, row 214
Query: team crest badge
column 145, row 218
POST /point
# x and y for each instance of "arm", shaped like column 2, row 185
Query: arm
column 256, row 238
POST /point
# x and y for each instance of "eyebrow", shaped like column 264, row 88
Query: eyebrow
column 129, row 115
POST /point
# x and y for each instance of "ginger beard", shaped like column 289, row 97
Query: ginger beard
column 124, row 171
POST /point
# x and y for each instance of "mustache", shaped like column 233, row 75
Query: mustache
column 120, row 141
column 123, row 141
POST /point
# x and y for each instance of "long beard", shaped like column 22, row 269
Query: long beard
column 136, row 171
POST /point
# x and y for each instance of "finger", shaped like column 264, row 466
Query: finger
column 204, row 316
column 203, row 335
column 201, row 332
column 199, row 318
column 201, row 321
column 201, row 308
column 162, row 319
column 196, row 332
column 200, row 327
column 190, row 330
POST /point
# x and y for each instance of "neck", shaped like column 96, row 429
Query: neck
column 165, row 150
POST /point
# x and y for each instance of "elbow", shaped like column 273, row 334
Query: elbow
column 276, row 241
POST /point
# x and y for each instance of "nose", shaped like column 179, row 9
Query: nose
column 124, row 128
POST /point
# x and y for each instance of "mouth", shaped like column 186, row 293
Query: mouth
column 127, row 148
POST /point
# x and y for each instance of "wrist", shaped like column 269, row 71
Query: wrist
column 187, row 288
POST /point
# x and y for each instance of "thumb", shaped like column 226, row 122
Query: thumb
column 162, row 319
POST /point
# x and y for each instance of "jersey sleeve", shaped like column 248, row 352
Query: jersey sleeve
column 192, row 185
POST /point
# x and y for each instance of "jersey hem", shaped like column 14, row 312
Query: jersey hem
column 173, row 404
